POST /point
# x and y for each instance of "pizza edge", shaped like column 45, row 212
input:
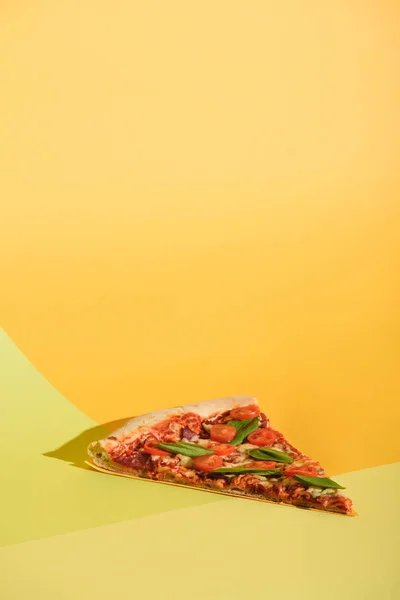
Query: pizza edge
column 232, row 493
column 134, row 427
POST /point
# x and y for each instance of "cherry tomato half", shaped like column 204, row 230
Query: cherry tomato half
column 207, row 462
column 245, row 412
column 222, row 433
column 262, row 437
column 306, row 471
column 222, row 449
column 150, row 448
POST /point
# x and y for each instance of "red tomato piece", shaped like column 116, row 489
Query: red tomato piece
column 306, row 471
column 150, row 448
column 262, row 464
column 262, row 437
column 207, row 462
column 222, row 449
column 245, row 412
column 222, row 433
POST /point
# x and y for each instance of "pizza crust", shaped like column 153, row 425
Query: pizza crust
column 238, row 493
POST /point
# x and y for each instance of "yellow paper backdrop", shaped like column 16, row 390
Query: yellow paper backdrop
column 201, row 200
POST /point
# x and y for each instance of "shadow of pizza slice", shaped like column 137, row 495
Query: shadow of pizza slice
column 225, row 445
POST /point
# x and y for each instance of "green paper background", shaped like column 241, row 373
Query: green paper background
column 68, row 532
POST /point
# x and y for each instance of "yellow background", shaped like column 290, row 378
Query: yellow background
column 198, row 200
column 69, row 532
column 202, row 199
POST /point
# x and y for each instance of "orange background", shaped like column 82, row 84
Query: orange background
column 203, row 200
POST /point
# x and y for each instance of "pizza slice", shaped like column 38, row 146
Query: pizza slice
column 225, row 445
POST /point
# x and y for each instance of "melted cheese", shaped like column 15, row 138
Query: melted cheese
column 329, row 492
column 278, row 447
column 314, row 491
column 203, row 443
column 184, row 460
column 246, row 447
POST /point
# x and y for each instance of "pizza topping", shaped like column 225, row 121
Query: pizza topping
column 270, row 454
column 170, row 461
column 246, row 469
column 205, row 443
column 169, row 430
column 222, row 449
column 245, row 447
column 215, row 482
column 203, row 435
column 116, row 450
column 136, row 460
column 188, row 434
column 327, row 491
column 185, row 448
column 243, row 429
column 304, row 470
column 263, row 437
column 249, row 483
column 222, row 433
column 235, row 459
column 217, row 418
column 192, row 422
column 243, row 413
column 229, row 450
column 262, row 464
column 316, row 492
column 278, row 446
column 323, row 482
column 150, row 447
column 185, row 461
column 207, row 463
column 140, row 461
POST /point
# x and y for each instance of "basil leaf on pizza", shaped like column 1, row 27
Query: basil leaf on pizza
column 185, row 449
column 270, row 454
column 243, row 430
column 238, row 425
column 226, row 446
column 241, row 470
column 322, row 482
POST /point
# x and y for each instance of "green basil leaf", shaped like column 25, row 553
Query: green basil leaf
column 245, row 430
column 187, row 444
column 270, row 454
column 238, row 425
column 185, row 449
column 254, row 471
column 322, row 482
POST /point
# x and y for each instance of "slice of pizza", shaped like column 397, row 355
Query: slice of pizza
column 225, row 445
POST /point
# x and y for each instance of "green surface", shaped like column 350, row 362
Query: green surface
column 228, row 550
column 49, row 490
column 89, row 535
